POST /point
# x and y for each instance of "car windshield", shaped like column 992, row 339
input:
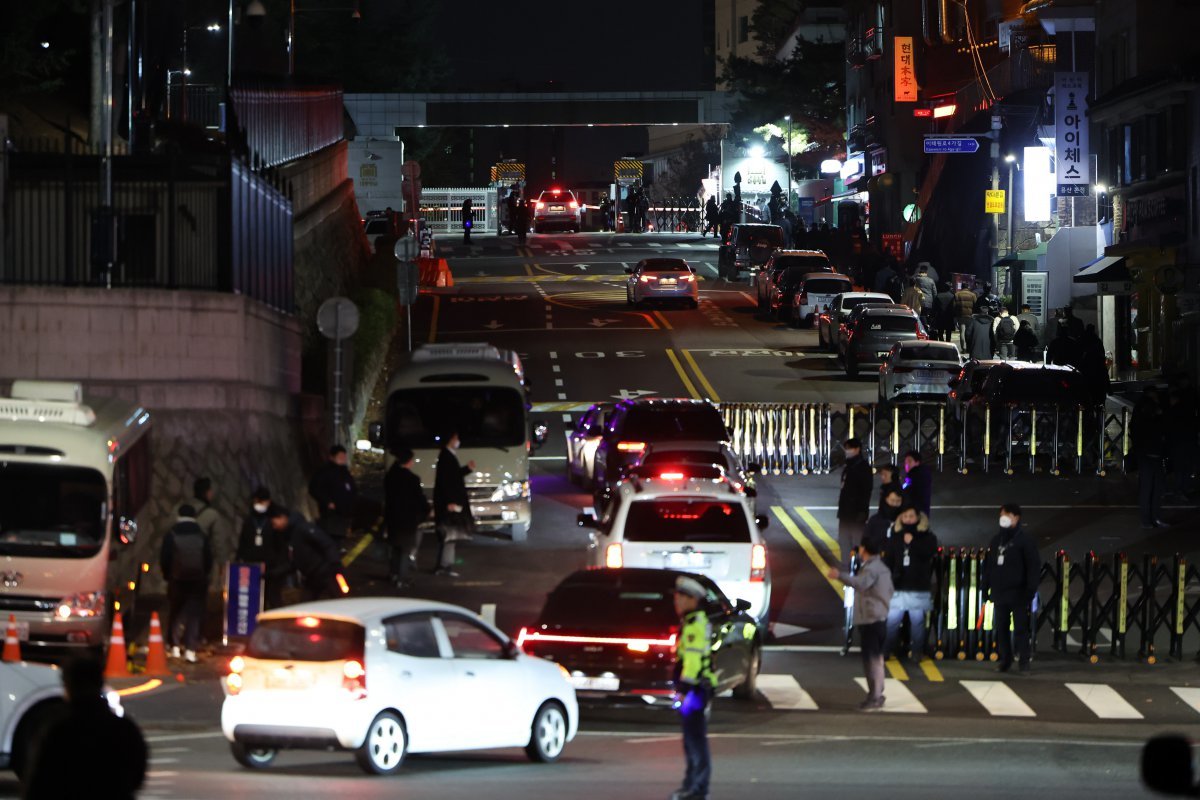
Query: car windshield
column 484, row 416
column 675, row 422
column 804, row 263
column 306, row 639
column 686, row 520
column 51, row 511
column 930, row 351
column 761, row 236
column 627, row 607
column 850, row 303
column 826, row 286
column 661, row 458
column 889, row 324
column 556, row 198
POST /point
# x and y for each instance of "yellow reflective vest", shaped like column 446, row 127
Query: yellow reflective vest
column 693, row 650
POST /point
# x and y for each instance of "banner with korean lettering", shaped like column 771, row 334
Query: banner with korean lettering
column 904, row 75
column 243, row 599
column 1072, row 158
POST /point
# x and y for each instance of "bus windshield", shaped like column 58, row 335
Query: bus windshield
column 484, row 416
column 51, row 511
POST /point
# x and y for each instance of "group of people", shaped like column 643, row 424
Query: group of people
column 516, row 215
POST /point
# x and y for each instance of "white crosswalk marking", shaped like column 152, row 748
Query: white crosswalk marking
column 1103, row 701
column 899, row 699
column 1188, row 695
column 683, row 244
column 998, row 698
column 784, row 692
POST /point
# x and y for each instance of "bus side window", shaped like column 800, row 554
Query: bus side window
column 131, row 486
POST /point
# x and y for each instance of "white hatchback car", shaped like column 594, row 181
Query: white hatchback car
column 384, row 677
column 689, row 518
column 918, row 369
column 662, row 279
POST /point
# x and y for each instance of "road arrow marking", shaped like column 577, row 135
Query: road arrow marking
column 582, row 266
column 493, row 325
column 626, row 394
column 782, row 630
column 600, row 323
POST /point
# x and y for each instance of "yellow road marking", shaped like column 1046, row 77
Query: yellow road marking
column 437, row 302
column 682, row 375
column 896, row 669
column 712, row 393
column 666, row 324
column 931, row 671
column 529, row 270
column 357, row 550
column 808, row 519
column 807, row 546
column 149, row 685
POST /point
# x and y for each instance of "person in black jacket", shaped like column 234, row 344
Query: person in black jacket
column 910, row 553
column 889, row 479
column 314, row 553
column 854, row 499
column 880, row 526
column 451, row 506
column 1149, row 434
column 108, row 753
column 186, row 562
column 406, row 508
column 918, row 482
column 1011, row 572
column 332, row 487
column 260, row 543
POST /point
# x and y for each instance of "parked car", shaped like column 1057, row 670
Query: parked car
column 557, row 208
column 661, row 279
column 877, row 329
column 813, row 292
column 1020, row 383
column 918, row 370
column 837, row 311
column 843, row 332
column 749, row 247
column 967, row 383
column 582, row 441
column 805, row 260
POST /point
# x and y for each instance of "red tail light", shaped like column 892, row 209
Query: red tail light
column 354, row 678
column 921, row 334
column 573, row 204
column 631, row 447
column 539, row 204
column 613, row 557
column 648, row 278
column 671, row 476
column 687, row 278
column 758, row 563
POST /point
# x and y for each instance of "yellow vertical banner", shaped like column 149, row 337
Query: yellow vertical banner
column 904, row 73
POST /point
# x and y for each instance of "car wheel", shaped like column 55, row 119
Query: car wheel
column 628, row 298
column 549, row 734
column 383, row 750
column 29, row 730
column 252, row 757
column 748, row 689
column 519, row 531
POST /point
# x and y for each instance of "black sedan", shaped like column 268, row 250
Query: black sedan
column 614, row 631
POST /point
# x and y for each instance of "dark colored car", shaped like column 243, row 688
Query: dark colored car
column 808, row 260
column 635, row 424
column 750, row 246
column 614, row 631
column 874, row 333
column 835, row 314
column 1014, row 383
column 967, row 383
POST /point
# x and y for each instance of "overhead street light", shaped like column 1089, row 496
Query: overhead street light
column 756, row 151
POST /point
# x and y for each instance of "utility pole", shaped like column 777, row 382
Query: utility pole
column 788, row 147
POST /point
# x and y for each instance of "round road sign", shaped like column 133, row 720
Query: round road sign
column 337, row 318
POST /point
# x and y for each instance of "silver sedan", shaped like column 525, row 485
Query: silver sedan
column 662, row 279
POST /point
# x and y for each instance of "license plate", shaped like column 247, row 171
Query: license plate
column 22, row 631
column 288, row 679
column 587, row 684
column 882, row 353
column 926, row 376
column 667, row 282
column 556, row 208
column 686, row 560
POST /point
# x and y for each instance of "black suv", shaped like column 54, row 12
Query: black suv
column 1014, row 383
column 749, row 247
column 636, row 424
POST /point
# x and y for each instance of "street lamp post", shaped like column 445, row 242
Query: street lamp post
column 788, row 148
column 1011, row 160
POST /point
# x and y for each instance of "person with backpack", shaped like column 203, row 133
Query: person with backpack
column 186, row 561
column 1005, row 328
column 964, row 308
column 220, row 534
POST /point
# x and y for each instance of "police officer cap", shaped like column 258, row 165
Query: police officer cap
column 690, row 586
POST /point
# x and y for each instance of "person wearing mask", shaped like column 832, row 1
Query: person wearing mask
column 1026, row 342
column 694, row 684
column 872, row 597
column 260, row 543
column 964, row 308
column 1011, row 572
column 1149, row 435
column 108, row 754
column 918, row 483
column 332, row 487
column 315, row 555
column 980, row 338
column 406, row 508
column 186, row 562
column 889, row 478
column 881, row 525
column 1004, row 329
column 854, row 498
column 1035, row 325
column 909, row 553
column 451, row 506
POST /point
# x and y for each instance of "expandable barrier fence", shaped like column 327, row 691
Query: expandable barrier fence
column 805, row 438
column 1097, row 607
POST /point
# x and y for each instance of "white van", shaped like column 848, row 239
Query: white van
column 72, row 480
column 480, row 391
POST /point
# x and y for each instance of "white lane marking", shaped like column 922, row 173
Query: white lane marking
column 998, row 698
column 654, row 244
column 807, row 648
column 566, row 418
column 652, row 739
column 558, row 381
column 784, row 692
column 684, row 244
column 159, row 750
column 624, row 244
column 556, row 368
column 1103, row 701
column 778, row 739
column 163, row 761
column 1190, row 696
column 899, row 699
column 553, row 354
column 562, row 396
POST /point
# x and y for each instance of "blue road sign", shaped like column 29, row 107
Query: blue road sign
column 951, row 144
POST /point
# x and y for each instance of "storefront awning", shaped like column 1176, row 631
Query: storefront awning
column 1106, row 269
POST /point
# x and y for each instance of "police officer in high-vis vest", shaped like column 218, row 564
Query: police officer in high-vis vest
column 694, row 682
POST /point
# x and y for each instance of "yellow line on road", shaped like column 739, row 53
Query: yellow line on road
column 437, row 303
column 666, row 324
column 529, row 270
column 896, row 669
column 931, row 671
column 807, row 546
column 808, row 519
column 357, row 550
column 712, row 393
column 687, row 383
column 140, row 688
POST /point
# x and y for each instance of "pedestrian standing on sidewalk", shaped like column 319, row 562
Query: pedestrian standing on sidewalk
column 1149, row 435
column 216, row 529
column 872, row 596
column 854, row 499
column 694, row 684
column 406, row 508
column 468, row 220
column 1011, row 573
column 909, row 555
column 889, row 478
column 260, row 543
column 964, row 308
column 332, row 487
column 918, row 482
column 315, row 555
column 451, row 505
column 186, row 562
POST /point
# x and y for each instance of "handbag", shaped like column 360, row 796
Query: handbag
column 457, row 527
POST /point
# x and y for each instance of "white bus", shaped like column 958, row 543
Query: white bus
column 72, row 480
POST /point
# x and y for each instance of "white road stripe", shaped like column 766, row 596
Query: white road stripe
column 899, row 699
column 567, row 418
column 1103, row 701
column 1188, row 695
column 784, row 692
column 998, row 698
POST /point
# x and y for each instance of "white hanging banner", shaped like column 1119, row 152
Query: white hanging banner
column 1072, row 159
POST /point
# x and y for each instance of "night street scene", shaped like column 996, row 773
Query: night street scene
column 687, row 399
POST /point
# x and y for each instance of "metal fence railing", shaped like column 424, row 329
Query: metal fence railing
column 441, row 208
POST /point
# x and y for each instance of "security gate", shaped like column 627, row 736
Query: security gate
column 442, row 209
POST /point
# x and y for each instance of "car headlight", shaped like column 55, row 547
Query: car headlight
column 510, row 490
column 84, row 605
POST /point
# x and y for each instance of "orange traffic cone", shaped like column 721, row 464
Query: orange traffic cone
column 117, row 666
column 12, row 645
column 156, row 657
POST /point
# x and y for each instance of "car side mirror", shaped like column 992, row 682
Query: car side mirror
column 761, row 522
column 1167, row 766
column 587, row 519
column 375, row 434
column 127, row 529
column 741, row 605
column 539, row 435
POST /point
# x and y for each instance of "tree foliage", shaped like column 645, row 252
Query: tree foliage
column 26, row 67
